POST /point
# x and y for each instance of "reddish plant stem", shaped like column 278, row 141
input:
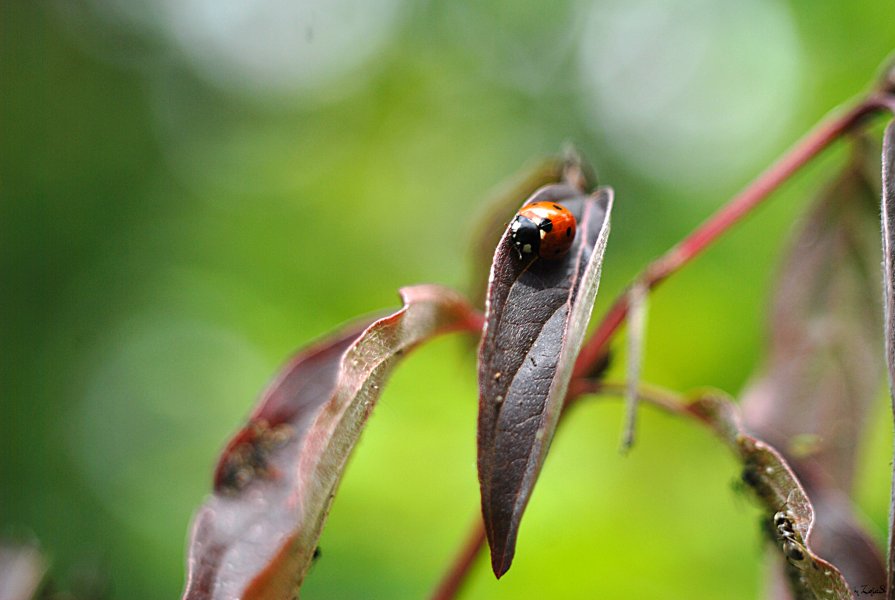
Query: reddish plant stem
column 727, row 216
column 661, row 398
column 453, row 579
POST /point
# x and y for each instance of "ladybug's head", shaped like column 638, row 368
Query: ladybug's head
column 525, row 236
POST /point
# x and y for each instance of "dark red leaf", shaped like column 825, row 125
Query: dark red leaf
column 789, row 516
column 255, row 537
column 824, row 366
column 888, row 227
column 536, row 316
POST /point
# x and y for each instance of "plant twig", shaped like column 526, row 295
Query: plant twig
column 665, row 399
column 636, row 332
column 727, row 216
column 453, row 579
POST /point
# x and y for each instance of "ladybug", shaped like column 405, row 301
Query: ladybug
column 543, row 229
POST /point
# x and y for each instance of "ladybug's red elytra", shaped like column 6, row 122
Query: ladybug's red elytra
column 544, row 229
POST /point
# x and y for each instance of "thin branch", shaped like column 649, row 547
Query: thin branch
column 453, row 579
column 663, row 398
column 727, row 216
column 637, row 302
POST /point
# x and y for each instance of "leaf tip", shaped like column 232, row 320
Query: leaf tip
column 502, row 543
column 500, row 564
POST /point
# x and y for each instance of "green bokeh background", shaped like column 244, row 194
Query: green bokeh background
column 170, row 233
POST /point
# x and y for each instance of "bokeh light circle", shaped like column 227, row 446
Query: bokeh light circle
column 695, row 92
column 163, row 389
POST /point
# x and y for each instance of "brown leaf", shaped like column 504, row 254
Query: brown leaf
column 789, row 518
column 255, row 537
column 536, row 317
column 824, row 365
column 789, row 515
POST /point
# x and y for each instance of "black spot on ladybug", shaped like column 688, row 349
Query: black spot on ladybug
column 546, row 225
column 558, row 207
column 569, row 232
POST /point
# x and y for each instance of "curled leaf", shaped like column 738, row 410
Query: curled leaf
column 536, row 316
column 789, row 514
column 812, row 397
column 888, row 229
column 256, row 536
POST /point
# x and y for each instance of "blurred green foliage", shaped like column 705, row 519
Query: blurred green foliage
column 177, row 217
